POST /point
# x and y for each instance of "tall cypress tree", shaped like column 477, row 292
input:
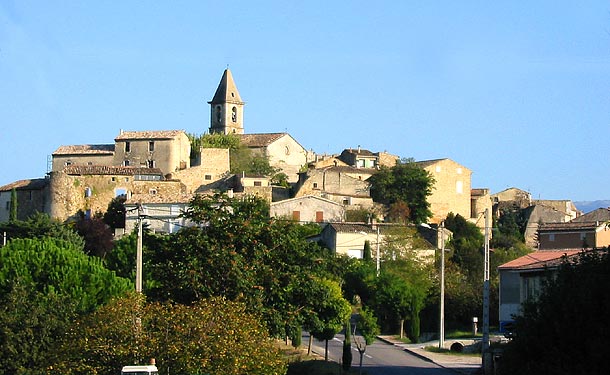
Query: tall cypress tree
column 347, row 347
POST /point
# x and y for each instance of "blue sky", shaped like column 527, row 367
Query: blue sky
column 518, row 93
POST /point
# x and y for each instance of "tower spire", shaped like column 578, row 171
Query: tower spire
column 226, row 107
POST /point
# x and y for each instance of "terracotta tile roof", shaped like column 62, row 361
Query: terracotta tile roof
column 600, row 214
column 85, row 149
column 260, row 140
column 31, row 184
column 571, row 226
column 352, row 227
column 148, row 134
column 159, row 198
column 360, row 152
column 110, row 170
column 539, row 259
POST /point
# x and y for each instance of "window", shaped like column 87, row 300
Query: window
column 8, row 205
column 315, row 185
column 126, row 163
column 438, row 168
column 151, row 163
column 30, row 197
column 207, row 177
column 458, row 171
column 459, row 187
column 234, row 114
column 258, row 183
column 319, row 216
column 152, row 191
column 218, row 114
column 552, row 237
column 68, row 163
column 127, row 146
column 151, row 146
column 87, row 192
column 296, row 215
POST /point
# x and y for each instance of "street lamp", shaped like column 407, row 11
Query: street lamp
column 441, row 317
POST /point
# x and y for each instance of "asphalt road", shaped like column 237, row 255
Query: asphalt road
column 380, row 358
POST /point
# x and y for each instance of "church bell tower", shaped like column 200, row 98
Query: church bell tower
column 226, row 108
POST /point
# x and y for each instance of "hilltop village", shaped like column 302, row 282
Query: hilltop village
column 157, row 171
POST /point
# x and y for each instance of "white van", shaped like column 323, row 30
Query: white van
column 140, row 370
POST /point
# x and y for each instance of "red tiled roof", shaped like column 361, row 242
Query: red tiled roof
column 149, row 134
column 85, row 149
column 260, row 140
column 110, row 170
column 30, row 184
column 539, row 259
column 570, row 226
column 160, row 198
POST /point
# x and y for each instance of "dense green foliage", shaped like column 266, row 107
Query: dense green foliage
column 97, row 234
column 41, row 225
column 566, row 330
column 56, row 266
column 404, row 189
column 212, row 336
column 114, row 216
column 44, row 284
column 239, row 253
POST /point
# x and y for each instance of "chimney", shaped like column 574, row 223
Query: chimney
column 358, row 148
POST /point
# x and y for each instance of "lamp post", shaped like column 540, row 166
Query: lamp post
column 440, row 232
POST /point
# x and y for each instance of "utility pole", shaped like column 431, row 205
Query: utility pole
column 486, row 359
column 139, row 253
column 441, row 318
column 378, row 257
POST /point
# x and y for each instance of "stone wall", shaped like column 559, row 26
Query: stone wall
column 451, row 191
column 213, row 166
column 68, row 194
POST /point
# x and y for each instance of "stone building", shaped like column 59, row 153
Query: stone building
column 227, row 108
column 361, row 158
column 91, row 188
column 282, row 151
column 451, row 190
column 308, row 208
column 66, row 156
column 345, row 185
column 31, row 194
column 167, row 150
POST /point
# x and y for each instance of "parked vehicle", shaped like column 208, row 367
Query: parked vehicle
column 140, row 370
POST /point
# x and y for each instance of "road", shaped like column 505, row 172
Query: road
column 380, row 358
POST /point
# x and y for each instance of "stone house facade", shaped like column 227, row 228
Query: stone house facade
column 451, row 190
column 282, row 151
column 31, row 194
column 167, row 150
column 66, row 156
column 593, row 235
column 344, row 185
column 361, row 158
column 212, row 165
column 91, row 188
column 308, row 209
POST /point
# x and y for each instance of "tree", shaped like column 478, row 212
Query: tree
column 404, row 188
column 97, row 235
column 327, row 310
column 41, row 225
column 369, row 330
column 346, row 359
column 565, row 330
column 44, row 284
column 212, row 336
column 114, row 216
column 239, row 253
